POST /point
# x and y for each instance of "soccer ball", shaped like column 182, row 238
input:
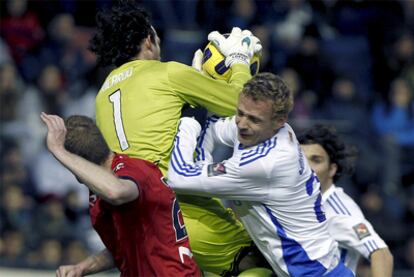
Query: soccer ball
column 213, row 63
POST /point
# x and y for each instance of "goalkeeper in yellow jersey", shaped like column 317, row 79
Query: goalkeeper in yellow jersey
column 138, row 109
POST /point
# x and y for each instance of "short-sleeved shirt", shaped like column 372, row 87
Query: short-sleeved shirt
column 349, row 227
column 147, row 236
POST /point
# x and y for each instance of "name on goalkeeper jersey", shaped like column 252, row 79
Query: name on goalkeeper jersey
column 116, row 78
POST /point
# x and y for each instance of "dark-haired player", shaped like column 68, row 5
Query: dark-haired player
column 330, row 158
column 139, row 105
column 134, row 212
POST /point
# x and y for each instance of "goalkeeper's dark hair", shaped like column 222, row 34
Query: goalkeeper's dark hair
column 267, row 85
column 84, row 139
column 120, row 32
column 339, row 153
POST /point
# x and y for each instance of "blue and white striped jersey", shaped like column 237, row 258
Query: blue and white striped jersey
column 348, row 226
column 275, row 194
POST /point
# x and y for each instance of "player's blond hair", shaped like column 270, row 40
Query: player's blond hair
column 270, row 86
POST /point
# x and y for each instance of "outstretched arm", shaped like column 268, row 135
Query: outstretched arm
column 382, row 263
column 217, row 96
column 92, row 264
column 98, row 179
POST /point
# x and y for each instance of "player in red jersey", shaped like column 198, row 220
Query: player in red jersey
column 134, row 212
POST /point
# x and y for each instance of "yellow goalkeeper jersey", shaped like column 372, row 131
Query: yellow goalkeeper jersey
column 138, row 109
column 139, row 105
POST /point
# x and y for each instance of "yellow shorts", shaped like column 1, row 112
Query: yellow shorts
column 216, row 236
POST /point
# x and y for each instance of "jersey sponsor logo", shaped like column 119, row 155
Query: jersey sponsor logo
column 361, row 231
column 216, row 169
column 119, row 166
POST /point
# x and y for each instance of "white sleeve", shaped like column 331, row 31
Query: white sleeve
column 355, row 233
column 224, row 179
column 216, row 131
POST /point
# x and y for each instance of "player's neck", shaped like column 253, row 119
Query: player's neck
column 325, row 187
column 140, row 56
column 145, row 55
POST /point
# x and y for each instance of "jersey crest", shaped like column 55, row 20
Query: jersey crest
column 361, row 231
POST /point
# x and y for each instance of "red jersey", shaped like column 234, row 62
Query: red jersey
column 146, row 236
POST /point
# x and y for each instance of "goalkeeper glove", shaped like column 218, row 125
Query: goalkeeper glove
column 238, row 47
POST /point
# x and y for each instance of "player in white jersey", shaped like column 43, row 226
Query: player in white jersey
column 274, row 191
column 330, row 158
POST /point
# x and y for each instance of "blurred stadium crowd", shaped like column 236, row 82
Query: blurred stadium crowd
column 349, row 63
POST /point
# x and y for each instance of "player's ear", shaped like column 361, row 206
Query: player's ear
column 332, row 169
column 278, row 123
column 148, row 42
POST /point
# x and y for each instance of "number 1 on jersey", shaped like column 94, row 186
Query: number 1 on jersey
column 115, row 99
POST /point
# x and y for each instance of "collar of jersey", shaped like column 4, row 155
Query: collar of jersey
column 328, row 192
column 241, row 147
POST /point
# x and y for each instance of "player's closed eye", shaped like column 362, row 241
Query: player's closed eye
column 254, row 120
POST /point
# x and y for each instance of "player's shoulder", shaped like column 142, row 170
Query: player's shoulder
column 121, row 162
column 287, row 150
column 222, row 122
column 179, row 72
column 131, row 72
column 287, row 136
column 172, row 65
column 254, row 162
column 139, row 66
column 134, row 166
column 340, row 203
column 275, row 152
